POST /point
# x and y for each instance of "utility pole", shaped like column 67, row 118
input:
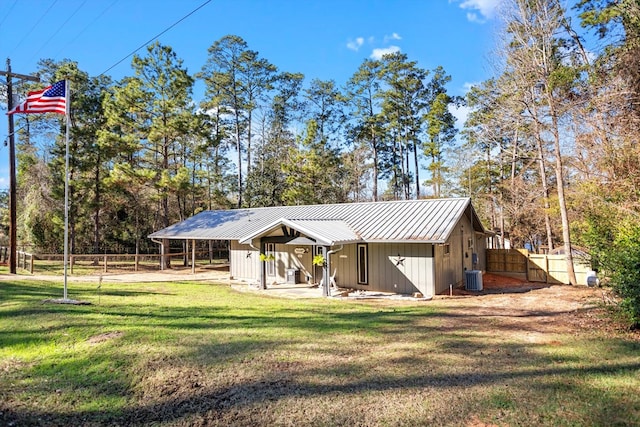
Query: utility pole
column 12, row 165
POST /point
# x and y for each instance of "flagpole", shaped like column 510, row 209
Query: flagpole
column 66, row 184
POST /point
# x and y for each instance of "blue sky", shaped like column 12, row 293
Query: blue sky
column 321, row 39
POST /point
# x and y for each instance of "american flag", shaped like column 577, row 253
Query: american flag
column 48, row 100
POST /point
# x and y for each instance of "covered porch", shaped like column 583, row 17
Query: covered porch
column 293, row 252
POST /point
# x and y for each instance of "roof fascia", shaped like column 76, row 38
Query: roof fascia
column 322, row 241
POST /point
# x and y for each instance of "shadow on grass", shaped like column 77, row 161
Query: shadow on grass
column 217, row 401
column 222, row 335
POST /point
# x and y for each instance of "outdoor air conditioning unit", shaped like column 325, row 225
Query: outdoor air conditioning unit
column 473, row 280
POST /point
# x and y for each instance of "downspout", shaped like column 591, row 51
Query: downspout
column 161, row 253
column 193, row 256
column 327, row 273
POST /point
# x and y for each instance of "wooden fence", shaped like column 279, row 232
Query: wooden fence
column 24, row 259
column 536, row 267
column 124, row 261
column 106, row 262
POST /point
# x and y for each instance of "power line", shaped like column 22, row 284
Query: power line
column 58, row 30
column 9, row 12
column 90, row 24
column 34, row 26
column 155, row 37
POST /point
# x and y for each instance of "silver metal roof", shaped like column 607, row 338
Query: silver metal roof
column 429, row 220
column 324, row 231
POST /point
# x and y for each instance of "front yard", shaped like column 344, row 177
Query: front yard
column 185, row 353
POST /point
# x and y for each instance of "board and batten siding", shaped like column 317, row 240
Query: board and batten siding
column 286, row 257
column 345, row 265
column 244, row 262
column 456, row 256
column 392, row 267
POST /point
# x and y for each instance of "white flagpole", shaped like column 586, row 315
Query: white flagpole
column 66, row 184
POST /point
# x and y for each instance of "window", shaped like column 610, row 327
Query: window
column 270, row 249
column 470, row 243
column 363, row 265
column 446, row 249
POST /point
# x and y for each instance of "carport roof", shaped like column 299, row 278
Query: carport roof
column 429, row 220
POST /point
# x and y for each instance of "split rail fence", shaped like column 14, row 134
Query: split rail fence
column 106, row 262
column 536, row 267
column 24, row 259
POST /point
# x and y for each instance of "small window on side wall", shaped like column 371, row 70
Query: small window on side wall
column 446, row 249
column 363, row 265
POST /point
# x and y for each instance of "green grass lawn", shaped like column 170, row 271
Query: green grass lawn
column 202, row 354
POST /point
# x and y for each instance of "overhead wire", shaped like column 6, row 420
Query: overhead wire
column 35, row 25
column 155, row 37
column 8, row 12
column 89, row 25
column 58, row 30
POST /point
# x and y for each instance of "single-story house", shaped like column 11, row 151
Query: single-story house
column 409, row 246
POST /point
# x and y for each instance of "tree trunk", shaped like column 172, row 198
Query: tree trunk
column 375, row 170
column 415, row 161
column 543, row 174
column 239, row 146
column 566, row 234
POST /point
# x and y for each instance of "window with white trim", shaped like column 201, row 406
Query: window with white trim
column 270, row 249
column 363, row 264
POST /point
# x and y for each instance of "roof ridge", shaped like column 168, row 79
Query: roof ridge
column 369, row 202
column 315, row 219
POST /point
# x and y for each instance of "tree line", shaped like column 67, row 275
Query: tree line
column 146, row 154
column 549, row 152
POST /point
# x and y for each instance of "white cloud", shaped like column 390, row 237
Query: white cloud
column 460, row 112
column 380, row 52
column 473, row 17
column 355, row 44
column 394, row 36
column 485, row 8
column 468, row 85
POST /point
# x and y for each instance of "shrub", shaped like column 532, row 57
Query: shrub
column 615, row 249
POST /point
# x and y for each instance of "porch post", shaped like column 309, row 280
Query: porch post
column 162, row 260
column 326, row 268
column 263, row 267
column 193, row 256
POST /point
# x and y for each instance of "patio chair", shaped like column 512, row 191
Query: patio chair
column 332, row 280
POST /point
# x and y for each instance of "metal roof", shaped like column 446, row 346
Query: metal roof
column 324, row 231
column 429, row 220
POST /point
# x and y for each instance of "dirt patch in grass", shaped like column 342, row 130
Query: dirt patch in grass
column 97, row 339
column 531, row 310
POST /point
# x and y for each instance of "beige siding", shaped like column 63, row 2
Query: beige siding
column 450, row 267
column 398, row 267
column 392, row 267
column 244, row 262
column 345, row 264
column 286, row 257
column 481, row 250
